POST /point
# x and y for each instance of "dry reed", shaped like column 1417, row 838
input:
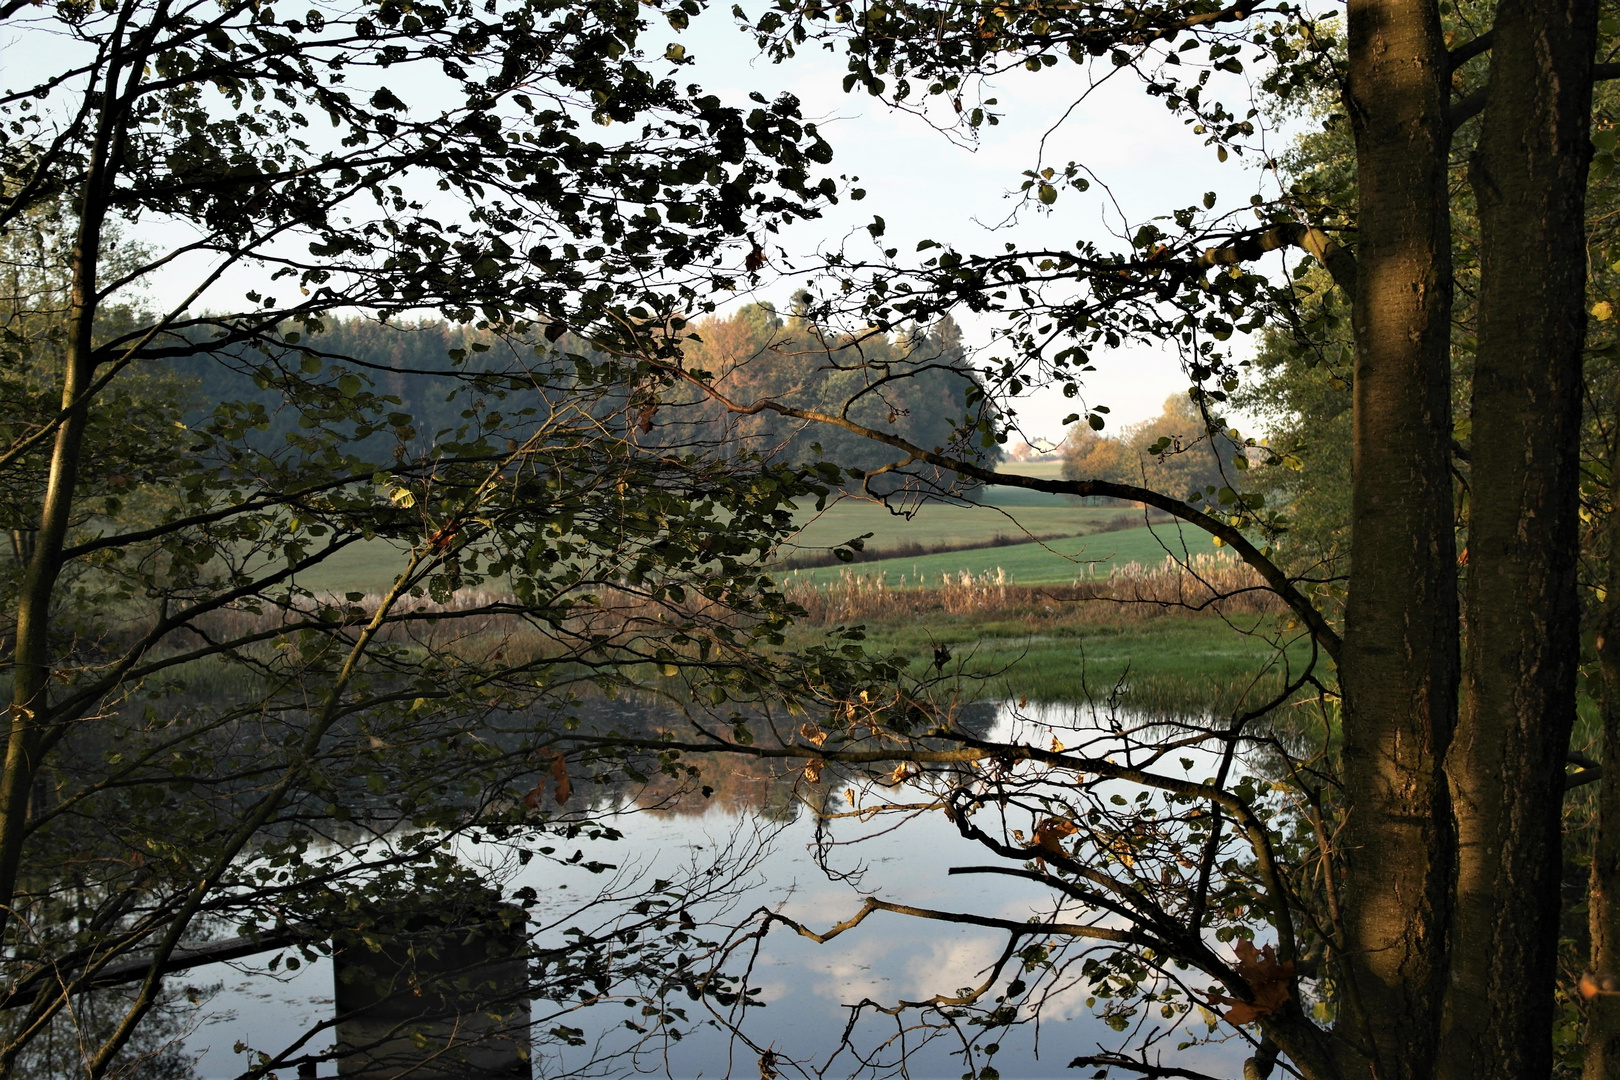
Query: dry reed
column 1213, row 583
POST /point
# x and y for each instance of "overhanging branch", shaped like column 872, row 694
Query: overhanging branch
column 1269, row 571
column 1012, row 926
column 1338, row 262
column 1470, row 49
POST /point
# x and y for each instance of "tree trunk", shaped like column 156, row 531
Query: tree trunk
column 1521, row 620
column 31, row 659
column 1399, row 671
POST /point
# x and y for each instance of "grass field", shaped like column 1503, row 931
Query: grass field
column 370, row 567
column 939, row 523
column 1011, row 497
column 1183, row 664
column 1029, row 564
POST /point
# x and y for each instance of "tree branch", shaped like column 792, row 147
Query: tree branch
column 1141, row 1068
column 1472, row 104
column 1340, row 264
column 1012, row 926
column 1470, row 49
column 1324, row 634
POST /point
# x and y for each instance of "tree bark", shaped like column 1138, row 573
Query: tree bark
column 1399, row 671
column 31, row 659
column 1521, row 619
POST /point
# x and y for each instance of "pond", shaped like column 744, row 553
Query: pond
column 807, row 988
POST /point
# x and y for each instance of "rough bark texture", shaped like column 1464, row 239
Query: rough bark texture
column 1603, row 893
column 1521, row 621
column 1400, row 669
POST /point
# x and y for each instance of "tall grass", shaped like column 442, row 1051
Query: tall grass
column 1216, row 584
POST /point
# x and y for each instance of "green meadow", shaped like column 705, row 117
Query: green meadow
column 938, row 524
column 1049, row 563
column 1174, row 664
column 370, row 567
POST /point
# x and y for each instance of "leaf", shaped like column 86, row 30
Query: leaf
column 1270, row 984
column 1049, row 834
column 1602, row 311
column 559, row 773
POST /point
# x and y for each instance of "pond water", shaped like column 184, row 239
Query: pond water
column 806, row 987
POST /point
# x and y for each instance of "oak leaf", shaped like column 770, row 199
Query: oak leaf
column 1269, row 984
column 1049, row 834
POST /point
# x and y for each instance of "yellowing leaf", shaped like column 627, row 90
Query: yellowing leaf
column 1602, row 311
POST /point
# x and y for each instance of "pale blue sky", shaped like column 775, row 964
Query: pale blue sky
column 923, row 183
column 925, row 186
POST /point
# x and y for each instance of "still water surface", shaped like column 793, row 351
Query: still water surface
column 806, row 987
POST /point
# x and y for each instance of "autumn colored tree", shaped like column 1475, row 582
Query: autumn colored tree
column 1175, row 451
column 919, row 380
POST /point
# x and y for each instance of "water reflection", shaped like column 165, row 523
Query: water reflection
column 758, row 821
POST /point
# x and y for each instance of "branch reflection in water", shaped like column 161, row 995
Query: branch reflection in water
column 743, row 838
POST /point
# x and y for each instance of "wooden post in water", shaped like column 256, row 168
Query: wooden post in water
column 438, row 995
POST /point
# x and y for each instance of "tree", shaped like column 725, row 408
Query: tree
column 205, row 737
column 1430, row 807
column 917, row 380
column 1177, row 451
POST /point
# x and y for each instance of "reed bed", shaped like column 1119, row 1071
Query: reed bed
column 486, row 626
column 1217, row 584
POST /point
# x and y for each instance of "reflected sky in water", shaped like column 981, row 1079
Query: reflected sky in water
column 806, row 987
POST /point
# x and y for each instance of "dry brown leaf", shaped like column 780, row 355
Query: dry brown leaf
column 1592, row 985
column 1270, row 984
column 1049, row 834
column 559, row 773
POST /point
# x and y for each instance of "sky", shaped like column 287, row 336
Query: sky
column 926, row 185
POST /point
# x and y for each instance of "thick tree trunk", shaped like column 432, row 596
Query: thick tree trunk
column 1399, row 670
column 1521, row 622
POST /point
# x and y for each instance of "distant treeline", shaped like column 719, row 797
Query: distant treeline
column 913, row 384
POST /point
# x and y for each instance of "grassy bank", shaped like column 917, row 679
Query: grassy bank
column 371, row 566
column 1052, row 562
column 1181, row 664
column 1173, row 638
